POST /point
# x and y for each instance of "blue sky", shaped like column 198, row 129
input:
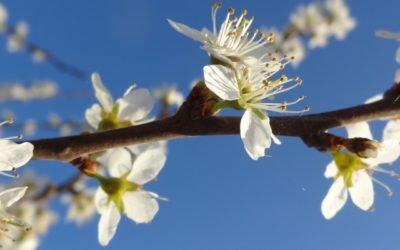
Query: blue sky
column 219, row 197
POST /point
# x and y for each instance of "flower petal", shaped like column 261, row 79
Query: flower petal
column 362, row 191
column 392, row 131
column 14, row 155
column 101, row 201
column 388, row 34
column 331, row 170
column 140, row 206
column 334, row 199
column 140, row 148
column 255, row 133
column 222, row 81
column 375, row 98
column 147, row 165
column 187, row 31
column 108, row 225
column 397, row 76
column 93, row 115
column 101, row 92
column 135, row 105
column 360, row 129
column 388, row 152
column 11, row 195
column 119, row 162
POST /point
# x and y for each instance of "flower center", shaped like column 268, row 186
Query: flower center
column 115, row 188
column 347, row 164
column 110, row 120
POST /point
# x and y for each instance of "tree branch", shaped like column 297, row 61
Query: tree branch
column 184, row 124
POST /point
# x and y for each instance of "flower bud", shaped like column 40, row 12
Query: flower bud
column 364, row 148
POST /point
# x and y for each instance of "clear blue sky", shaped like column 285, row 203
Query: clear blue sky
column 219, row 197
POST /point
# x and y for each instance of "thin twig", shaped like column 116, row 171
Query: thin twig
column 51, row 58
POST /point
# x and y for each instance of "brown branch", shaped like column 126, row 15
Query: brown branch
column 51, row 58
column 51, row 190
column 184, row 123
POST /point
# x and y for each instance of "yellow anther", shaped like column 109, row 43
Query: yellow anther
column 216, row 5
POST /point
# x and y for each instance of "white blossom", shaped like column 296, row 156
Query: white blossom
column 38, row 215
column 132, row 109
column 36, row 90
column 81, row 204
column 168, row 94
column 322, row 21
column 122, row 193
column 13, row 155
column 17, row 39
column 248, row 88
column 341, row 22
column 8, row 222
column 353, row 175
column 233, row 41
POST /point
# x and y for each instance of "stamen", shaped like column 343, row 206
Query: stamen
column 385, row 171
column 12, row 174
column 18, row 137
column 216, row 5
column 9, row 120
column 386, row 187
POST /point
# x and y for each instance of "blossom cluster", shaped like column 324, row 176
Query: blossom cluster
column 13, row 155
column 321, row 21
column 125, row 170
column 20, row 92
column 244, row 75
column 315, row 22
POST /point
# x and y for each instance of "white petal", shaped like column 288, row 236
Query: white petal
column 334, row 199
column 375, row 98
column 108, row 225
column 255, row 134
column 140, row 206
column 101, row 92
column 119, row 162
column 331, row 170
column 93, row 115
column 14, row 155
column 388, row 34
column 392, row 131
column 136, row 105
column 360, row 129
column 101, row 201
column 362, row 191
column 147, row 166
column 388, row 152
column 140, row 148
column 398, row 55
column 11, row 195
column 187, row 31
column 397, row 76
column 222, row 81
